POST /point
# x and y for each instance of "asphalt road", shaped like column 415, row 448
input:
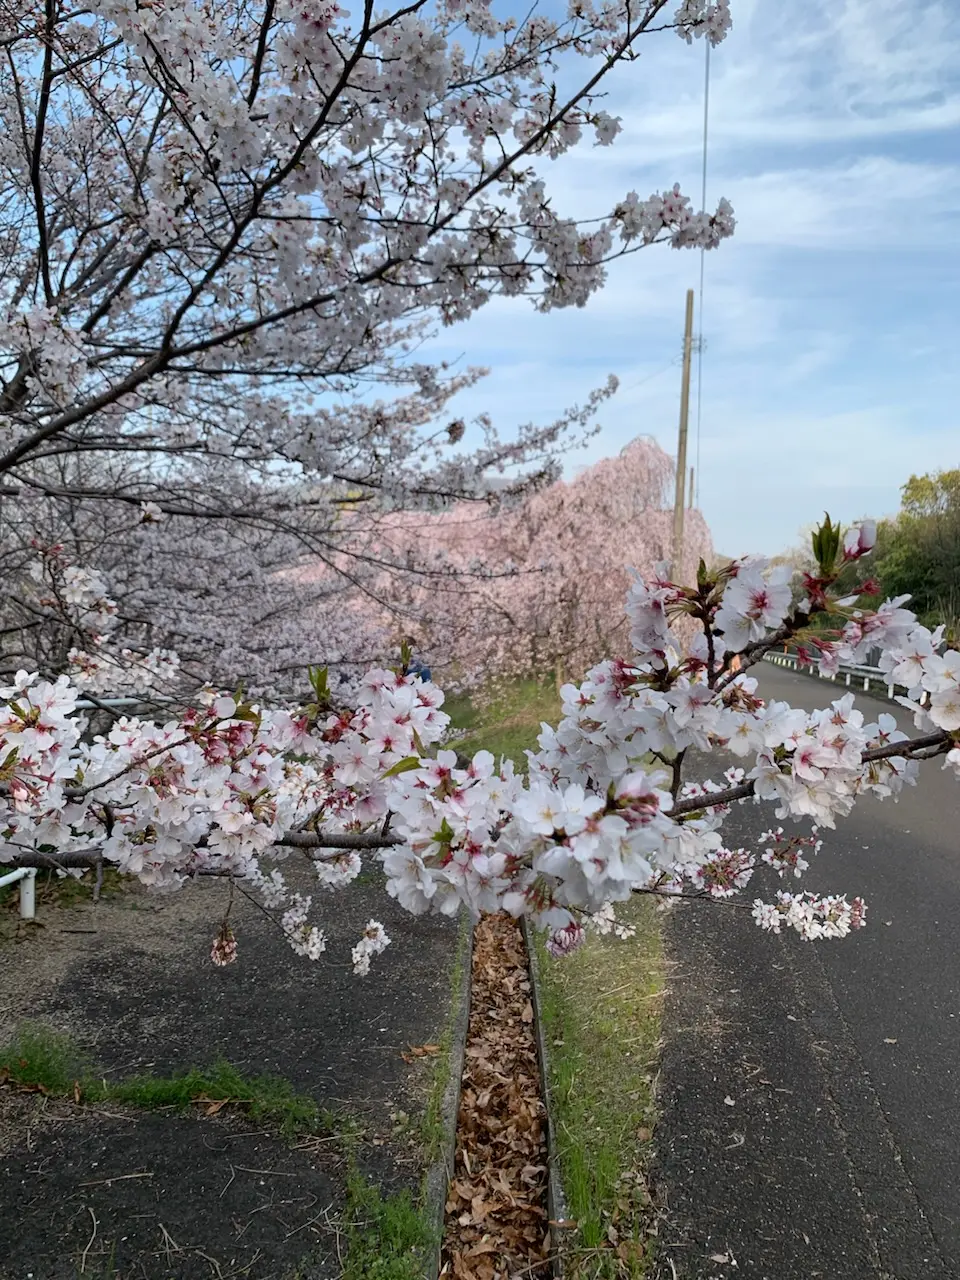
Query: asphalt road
column 811, row 1095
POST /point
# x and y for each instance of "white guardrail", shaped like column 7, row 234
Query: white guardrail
column 27, row 876
column 865, row 678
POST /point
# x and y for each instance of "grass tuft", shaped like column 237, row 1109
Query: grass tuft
column 269, row 1099
column 385, row 1236
column 43, row 1058
column 40, row 1057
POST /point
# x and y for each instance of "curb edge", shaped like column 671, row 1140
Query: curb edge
column 441, row 1170
column 556, row 1199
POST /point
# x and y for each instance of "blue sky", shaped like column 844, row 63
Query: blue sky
column 830, row 320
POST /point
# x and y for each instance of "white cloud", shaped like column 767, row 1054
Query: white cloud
column 866, row 204
column 829, row 323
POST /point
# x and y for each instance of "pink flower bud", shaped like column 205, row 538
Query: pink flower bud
column 858, row 541
column 224, row 949
column 563, row 941
column 868, row 536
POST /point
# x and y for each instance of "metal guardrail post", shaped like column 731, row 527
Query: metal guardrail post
column 27, row 877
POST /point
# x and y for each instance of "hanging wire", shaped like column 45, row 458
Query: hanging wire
column 671, row 364
column 703, row 205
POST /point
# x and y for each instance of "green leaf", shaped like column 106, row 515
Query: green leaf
column 826, row 545
column 403, row 766
column 320, row 683
column 9, row 765
column 445, row 834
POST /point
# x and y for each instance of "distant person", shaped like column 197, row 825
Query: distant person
column 415, row 666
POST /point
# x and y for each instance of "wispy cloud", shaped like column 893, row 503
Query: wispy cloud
column 830, row 323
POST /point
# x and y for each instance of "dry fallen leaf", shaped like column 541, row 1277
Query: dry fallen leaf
column 496, row 1217
column 211, row 1105
column 21, row 1085
column 419, row 1051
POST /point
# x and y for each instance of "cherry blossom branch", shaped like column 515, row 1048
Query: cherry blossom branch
column 702, row 896
column 305, row 840
column 343, row 840
column 931, row 744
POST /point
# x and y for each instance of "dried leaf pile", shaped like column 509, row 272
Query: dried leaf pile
column 496, row 1223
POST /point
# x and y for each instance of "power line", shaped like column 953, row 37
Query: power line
column 703, row 205
column 671, row 364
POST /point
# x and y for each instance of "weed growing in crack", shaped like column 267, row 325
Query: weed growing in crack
column 41, row 1058
column 432, row 1130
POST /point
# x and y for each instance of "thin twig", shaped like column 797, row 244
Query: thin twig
column 83, row 1256
column 699, row 896
column 169, row 1244
column 117, row 1178
column 536, row 1266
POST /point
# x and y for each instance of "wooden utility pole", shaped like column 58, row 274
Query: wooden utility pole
column 682, row 442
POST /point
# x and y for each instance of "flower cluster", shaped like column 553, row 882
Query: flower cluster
column 210, row 792
column 373, row 942
column 602, row 812
column 810, row 916
column 783, row 851
column 605, row 812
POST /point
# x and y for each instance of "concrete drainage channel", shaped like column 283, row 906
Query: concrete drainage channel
column 472, row 1244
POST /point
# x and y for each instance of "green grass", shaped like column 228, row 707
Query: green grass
column 509, row 724
column 601, row 1016
column 431, row 1126
column 385, row 1237
column 268, row 1099
column 390, row 1237
column 41, row 1057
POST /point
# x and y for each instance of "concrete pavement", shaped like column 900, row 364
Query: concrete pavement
column 811, row 1092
